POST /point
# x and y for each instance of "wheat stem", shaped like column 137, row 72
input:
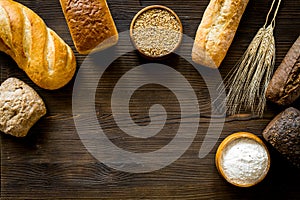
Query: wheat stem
column 249, row 79
column 247, row 86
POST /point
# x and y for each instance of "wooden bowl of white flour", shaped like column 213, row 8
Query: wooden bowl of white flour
column 243, row 159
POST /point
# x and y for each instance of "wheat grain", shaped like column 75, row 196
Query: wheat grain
column 156, row 32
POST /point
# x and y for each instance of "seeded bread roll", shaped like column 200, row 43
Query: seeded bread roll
column 283, row 132
column 216, row 31
column 90, row 23
column 20, row 107
column 284, row 87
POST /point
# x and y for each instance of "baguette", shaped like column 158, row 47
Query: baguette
column 284, row 87
column 47, row 60
column 90, row 23
column 216, row 31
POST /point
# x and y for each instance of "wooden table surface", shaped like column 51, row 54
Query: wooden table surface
column 52, row 162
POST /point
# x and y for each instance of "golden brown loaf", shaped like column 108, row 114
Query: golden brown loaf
column 40, row 52
column 90, row 23
column 216, row 31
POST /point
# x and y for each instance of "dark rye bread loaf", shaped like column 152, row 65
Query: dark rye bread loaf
column 90, row 23
column 283, row 132
column 284, row 87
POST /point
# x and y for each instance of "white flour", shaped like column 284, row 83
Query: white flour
column 244, row 161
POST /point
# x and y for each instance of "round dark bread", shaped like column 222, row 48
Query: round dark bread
column 283, row 132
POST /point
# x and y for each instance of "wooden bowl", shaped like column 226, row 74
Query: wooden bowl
column 226, row 142
column 132, row 29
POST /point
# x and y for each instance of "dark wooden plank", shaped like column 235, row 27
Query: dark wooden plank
column 51, row 162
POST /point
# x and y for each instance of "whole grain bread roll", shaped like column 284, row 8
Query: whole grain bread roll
column 284, row 87
column 283, row 132
column 47, row 60
column 216, row 31
column 20, row 107
column 90, row 23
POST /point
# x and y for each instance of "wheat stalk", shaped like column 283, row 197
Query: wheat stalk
column 248, row 83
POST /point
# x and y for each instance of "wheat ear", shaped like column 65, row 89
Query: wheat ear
column 247, row 85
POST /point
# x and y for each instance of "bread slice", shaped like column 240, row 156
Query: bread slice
column 216, row 31
column 20, row 107
column 90, row 23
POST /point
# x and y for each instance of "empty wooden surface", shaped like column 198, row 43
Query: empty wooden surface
column 51, row 162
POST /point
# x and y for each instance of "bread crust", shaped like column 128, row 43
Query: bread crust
column 39, row 51
column 90, row 23
column 216, row 31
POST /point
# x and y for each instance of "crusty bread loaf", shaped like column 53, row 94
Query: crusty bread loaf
column 20, row 107
column 216, row 31
column 283, row 132
column 90, row 23
column 40, row 52
column 284, row 87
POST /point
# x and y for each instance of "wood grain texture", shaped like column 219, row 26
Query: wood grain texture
column 53, row 163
